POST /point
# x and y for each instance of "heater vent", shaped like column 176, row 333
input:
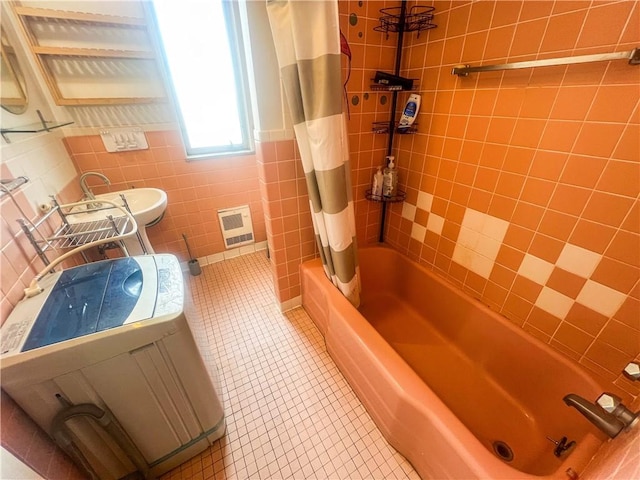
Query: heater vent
column 236, row 225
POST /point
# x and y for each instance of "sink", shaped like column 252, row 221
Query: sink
column 146, row 206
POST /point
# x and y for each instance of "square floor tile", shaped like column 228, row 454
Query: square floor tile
column 289, row 411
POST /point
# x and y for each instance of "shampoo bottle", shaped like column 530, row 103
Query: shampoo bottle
column 390, row 179
column 376, row 186
column 409, row 113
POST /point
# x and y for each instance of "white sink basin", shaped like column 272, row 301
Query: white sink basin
column 145, row 204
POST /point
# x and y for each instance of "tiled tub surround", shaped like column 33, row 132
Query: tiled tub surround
column 522, row 186
column 445, row 377
column 196, row 189
column 287, row 216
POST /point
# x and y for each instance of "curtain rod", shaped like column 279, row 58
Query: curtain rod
column 632, row 55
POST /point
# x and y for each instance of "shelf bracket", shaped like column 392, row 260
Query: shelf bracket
column 42, row 126
column 43, row 121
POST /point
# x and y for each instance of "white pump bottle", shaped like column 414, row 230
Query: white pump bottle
column 390, row 178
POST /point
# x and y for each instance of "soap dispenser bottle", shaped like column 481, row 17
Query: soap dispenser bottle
column 390, row 178
column 378, row 180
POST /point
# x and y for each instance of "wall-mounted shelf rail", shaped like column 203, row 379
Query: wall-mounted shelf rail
column 633, row 56
column 8, row 185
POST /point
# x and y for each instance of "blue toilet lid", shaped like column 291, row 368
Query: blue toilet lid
column 87, row 299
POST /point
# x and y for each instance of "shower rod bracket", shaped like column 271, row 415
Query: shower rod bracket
column 633, row 57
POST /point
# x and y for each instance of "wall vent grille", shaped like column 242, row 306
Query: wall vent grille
column 236, row 226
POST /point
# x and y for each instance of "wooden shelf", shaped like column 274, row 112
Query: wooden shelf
column 111, row 101
column 92, row 52
column 78, row 62
column 79, row 16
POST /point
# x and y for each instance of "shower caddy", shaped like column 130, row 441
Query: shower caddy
column 397, row 20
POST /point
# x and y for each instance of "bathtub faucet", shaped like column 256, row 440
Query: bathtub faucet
column 88, row 194
column 608, row 413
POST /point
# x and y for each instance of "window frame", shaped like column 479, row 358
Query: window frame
column 240, row 71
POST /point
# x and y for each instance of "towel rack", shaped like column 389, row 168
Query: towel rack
column 8, row 185
column 633, row 56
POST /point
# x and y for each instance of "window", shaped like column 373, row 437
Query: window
column 201, row 42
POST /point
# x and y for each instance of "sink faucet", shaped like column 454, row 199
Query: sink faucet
column 608, row 414
column 88, row 194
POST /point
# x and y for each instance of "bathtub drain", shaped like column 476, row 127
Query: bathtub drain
column 503, row 450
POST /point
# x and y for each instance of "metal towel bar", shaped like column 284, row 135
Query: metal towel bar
column 633, row 56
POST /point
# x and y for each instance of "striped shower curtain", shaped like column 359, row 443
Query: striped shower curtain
column 307, row 40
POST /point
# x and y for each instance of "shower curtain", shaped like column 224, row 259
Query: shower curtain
column 307, row 40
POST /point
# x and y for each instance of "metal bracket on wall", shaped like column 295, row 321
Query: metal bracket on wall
column 42, row 126
column 633, row 56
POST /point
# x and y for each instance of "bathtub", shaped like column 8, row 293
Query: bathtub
column 459, row 390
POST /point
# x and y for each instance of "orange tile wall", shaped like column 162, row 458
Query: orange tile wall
column 287, row 214
column 552, row 151
column 196, row 190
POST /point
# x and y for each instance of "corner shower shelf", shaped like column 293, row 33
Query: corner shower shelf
column 386, row 88
column 390, row 88
column 397, row 198
column 398, row 20
column 417, row 20
column 388, row 82
column 383, row 127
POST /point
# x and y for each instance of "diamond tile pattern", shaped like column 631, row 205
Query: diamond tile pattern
column 535, row 269
column 578, row 260
column 600, row 298
column 290, row 413
column 479, row 241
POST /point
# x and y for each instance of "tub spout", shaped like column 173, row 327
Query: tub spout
column 602, row 419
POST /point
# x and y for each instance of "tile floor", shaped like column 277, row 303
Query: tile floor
column 290, row 413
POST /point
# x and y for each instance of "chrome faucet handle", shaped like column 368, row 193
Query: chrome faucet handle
column 632, row 371
column 609, row 402
column 612, row 404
